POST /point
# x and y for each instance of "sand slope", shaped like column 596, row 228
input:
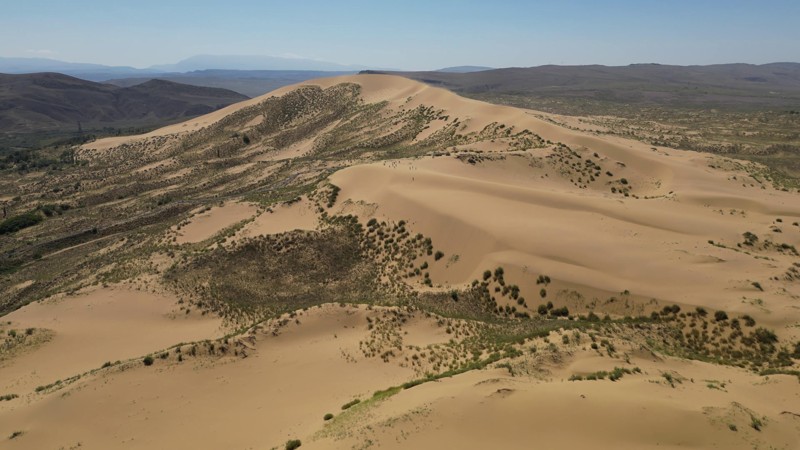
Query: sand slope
column 523, row 209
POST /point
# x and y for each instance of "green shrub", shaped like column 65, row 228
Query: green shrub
column 748, row 321
column 720, row 316
column 16, row 223
column 765, row 336
column 438, row 255
column 148, row 360
column 293, row 444
column 350, row 404
column 328, row 416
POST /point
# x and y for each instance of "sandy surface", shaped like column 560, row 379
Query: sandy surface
column 208, row 223
column 91, row 328
column 507, row 209
column 280, row 391
column 283, row 218
column 490, row 409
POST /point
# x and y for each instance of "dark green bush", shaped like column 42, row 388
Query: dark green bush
column 293, row 444
column 350, row 404
column 16, row 223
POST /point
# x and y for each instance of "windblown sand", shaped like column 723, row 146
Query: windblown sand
column 503, row 211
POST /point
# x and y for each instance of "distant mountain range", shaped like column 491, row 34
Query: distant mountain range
column 464, row 69
column 252, row 62
column 41, row 102
column 99, row 72
column 738, row 86
column 251, row 83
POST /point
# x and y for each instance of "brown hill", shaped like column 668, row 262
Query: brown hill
column 55, row 102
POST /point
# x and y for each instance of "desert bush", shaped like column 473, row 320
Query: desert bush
column 148, row 360
column 720, row 316
column 293, row 444
column 765, row 336
column 16, row 223
column 327, row 417
column 350, row 404
column 756, row 423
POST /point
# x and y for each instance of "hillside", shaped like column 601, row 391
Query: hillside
column 369, row 261
column 48, row 102
column 251, row 83
column 738, row 86
column 739, row 110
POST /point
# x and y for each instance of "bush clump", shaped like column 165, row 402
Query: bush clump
column 16, row 223
column 350, row 404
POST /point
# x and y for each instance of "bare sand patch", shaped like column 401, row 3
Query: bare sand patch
column 297, row 216
column 289, row 383
column 106, row 324
column 211, row 222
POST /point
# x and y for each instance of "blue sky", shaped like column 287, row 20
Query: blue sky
column 407, row 34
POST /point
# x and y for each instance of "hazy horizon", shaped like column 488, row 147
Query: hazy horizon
column 412, row 36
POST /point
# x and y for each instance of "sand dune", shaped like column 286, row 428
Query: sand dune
column 493, row 410
column 282, row 390
column 653, row 248
column 676, row 237
column 211, row 222
column 95, row 327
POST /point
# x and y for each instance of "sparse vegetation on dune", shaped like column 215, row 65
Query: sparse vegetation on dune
column 118, row 217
